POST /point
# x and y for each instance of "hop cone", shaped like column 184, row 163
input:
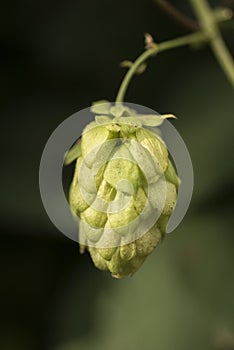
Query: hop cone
column 124, row 189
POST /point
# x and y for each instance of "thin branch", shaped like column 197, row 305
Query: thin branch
column 209, row 25
column 178, row 16
column 189, row 39
column 209, row 33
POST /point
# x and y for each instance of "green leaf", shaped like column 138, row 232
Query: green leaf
column 126, row 64
column 102, row 119
column 171, row 175
column 129, row 120
column 129, row 112
column 155, row 131
column 151, row 120
column 101, row 107
column 117, row 110
column 154, row 119
column 120, row 110
column 90, row 126
column 73, row 153
column 141, row 68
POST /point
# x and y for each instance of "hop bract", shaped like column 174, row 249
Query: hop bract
column 124, row 188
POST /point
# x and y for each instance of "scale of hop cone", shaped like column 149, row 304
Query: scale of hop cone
column 124, row 190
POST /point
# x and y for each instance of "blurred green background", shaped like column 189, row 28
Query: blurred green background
column 56, row 58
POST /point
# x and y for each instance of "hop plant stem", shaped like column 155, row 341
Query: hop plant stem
column 209, row 25
column 193, row 38
column 209, row 33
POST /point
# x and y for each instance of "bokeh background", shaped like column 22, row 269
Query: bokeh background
column 56, row 58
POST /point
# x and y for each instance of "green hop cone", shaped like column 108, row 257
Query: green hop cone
column 124, row 188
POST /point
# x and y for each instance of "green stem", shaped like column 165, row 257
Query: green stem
column 132, row 70
column 209, row 25
column 210, row 33
column 193, row 38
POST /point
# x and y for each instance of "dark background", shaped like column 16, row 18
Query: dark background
column 56, row 58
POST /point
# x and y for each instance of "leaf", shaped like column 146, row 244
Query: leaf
column 101, row 107
column 90, row 126
column 151, row 120
column 141, row 68
column 154, row 119
column 117, row 110
column 171, row 175
column 102, row 119
column 128, row 112
column 73, row 153
column 168, row 116
column 120, row 110
column 126, row 64
column 129, row 120
column 155, row 131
